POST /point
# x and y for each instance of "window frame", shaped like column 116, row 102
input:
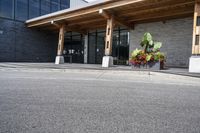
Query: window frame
column 16, row 15
column 12, row 11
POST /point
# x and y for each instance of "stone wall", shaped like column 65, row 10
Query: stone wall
column 176, row 36
column 21, row 44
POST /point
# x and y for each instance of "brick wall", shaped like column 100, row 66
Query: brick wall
column 18, row 43
column 176, row 36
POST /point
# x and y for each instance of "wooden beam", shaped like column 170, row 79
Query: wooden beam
column 116, row 19
column 104, row 14
column 155, row 6
column 55, row 24
column 161, row 14
column 109, row 35
column 95, row 27
column 164, row 18
column 77, row 29
column 124, row 12
column 61, row 40
column 85, row 22
column 124, row 23
column 93, row 24
column 82, row 12
column 196, row 30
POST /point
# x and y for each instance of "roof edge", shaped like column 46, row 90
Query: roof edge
column 96, row 3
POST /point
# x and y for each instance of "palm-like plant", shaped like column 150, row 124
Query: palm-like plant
column 150, row 45
column 150, row 54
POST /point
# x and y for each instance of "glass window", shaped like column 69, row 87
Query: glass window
column 7, row 8
column 120, row 47
column 65, row 4
column 198, row 20
column 34, row 8
column 115, row 44
column 55, row 5
column 197, row 40
column 21, row 9
column 75, row 33
column 100, row 47
column 124, row 46
column 45, row 7
column 92, row 48
column 76, row 38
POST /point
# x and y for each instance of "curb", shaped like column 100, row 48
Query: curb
column 93, row 68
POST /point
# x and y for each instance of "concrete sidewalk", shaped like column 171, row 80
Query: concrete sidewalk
column 52, row 66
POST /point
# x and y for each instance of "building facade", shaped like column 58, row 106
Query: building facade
column 19, row 43
column 176, row 36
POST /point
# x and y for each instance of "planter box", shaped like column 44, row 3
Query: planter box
column 151, row 66
column 139, row 66
column 154, row 66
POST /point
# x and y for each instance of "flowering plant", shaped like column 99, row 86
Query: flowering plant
column 138, row 57
column 151, row 53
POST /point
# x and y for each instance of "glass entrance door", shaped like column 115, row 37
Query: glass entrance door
column 120, row 50
column 74, row 49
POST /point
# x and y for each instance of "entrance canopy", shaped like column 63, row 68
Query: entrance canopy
column 124, row 12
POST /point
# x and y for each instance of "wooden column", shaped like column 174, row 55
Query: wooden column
column 109, row 35
column 61, row 40
column 196, row 29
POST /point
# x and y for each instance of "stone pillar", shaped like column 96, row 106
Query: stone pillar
column 60, row 57
column 194, row 65
column 108, row 59
column 86, row 49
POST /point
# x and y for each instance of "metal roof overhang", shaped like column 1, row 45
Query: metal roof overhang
column 125, row 12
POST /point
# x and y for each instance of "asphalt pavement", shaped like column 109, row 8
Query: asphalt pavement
column 97, row 101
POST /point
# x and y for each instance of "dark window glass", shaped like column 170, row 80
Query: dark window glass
column 92, row 48
column 7, row 8
column 45, row 7
column 65, row 4
column 21, row 9
column 198, row 20
column 100, row 47
column 197, row 40
column 34, row 8
column 55, row 5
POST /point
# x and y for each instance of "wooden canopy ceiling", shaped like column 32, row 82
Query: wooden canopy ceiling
column 125, row 12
